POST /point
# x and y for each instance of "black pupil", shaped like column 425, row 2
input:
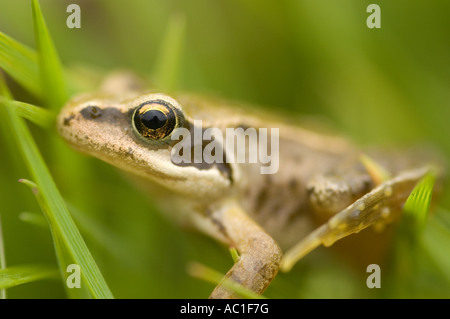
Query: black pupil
column 153, row 119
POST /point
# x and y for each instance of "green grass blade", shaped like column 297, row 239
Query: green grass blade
column 34, row 219
column 2, row 258
column 18, row 275
column 104, row 237
column 21, row 63
column 418, row 203
column 234, row 254
column 57, row 214
column 50, row 68
column 200, row 271
column 35, row 114
column 409, row 238
column 436, row 239
column 168, row 60
column 378, row 173
column 63, row 256
column 65, row 259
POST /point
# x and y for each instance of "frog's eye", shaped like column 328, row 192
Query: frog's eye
column 156, row 120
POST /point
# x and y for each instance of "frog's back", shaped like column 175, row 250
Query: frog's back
column 281, row 202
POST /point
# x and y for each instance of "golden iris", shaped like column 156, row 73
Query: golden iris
column 154, row 120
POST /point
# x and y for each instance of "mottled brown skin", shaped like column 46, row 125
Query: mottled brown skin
column 321, row 192
column 260, row 255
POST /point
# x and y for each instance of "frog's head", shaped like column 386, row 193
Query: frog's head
column 135, row 135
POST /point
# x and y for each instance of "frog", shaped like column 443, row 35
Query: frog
column 322, row 191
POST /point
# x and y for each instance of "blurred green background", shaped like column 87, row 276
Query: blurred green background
column 301, row 57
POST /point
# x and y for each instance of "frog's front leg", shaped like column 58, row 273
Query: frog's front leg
column 377, row 206
column 260, row 255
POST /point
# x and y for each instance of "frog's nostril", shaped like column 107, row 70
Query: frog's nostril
column 66, row 120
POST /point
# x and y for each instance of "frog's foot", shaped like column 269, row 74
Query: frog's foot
column 259, row 257
column 377, row 206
